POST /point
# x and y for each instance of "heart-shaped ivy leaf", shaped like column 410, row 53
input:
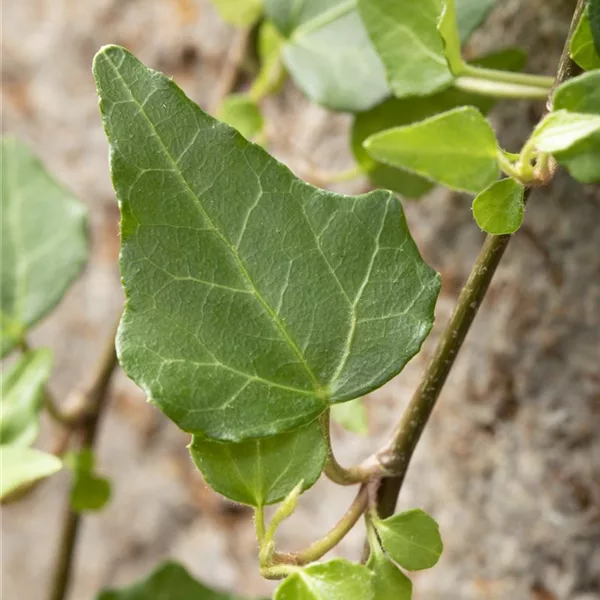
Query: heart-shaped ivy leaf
column 254, row 300
column 263, row 471
column 499, row 209
column 44, row 242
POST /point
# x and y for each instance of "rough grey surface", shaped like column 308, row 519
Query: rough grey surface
column 510, row 465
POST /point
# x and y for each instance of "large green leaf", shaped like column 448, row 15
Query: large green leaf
column 328, row 52
column 44, row 242
column 239, row 12
column 583, row 50
column 170, row 581
column 499, row 209
column 412, row 539
column 22, row 466
column 333, row 580
column 457, row 148
column 22, row 396
column 581, row 95
column 254, row 300
column 263, row 471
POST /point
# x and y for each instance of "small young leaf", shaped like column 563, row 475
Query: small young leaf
column 499, row 208
column 457, row 149
column 351, row 416
column 44, row 242
column 448, row 28
column 412, row 539
column 241, row 13
column 328, row 53
column 242, row 320
column 561, row 129
column 170, row 581
column 405, row 35
column 22, row 466
column 89, row 492
column 583, row 50
column 581, row 95
column 470, row 15
column 389, row 581
column 22, row 396
column 242, row 113
column 262, row 471
column 334, row 580
column 271, row 74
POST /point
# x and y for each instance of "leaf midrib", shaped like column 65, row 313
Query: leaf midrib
column 318, row 388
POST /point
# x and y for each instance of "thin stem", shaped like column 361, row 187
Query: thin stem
column 319, row 548
column 94, row 396
column 500, row 89
column 525, row 79
column 259, row 523
column 400, row 450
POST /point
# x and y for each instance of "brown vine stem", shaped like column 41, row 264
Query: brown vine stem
column 93, row 398
column 396, row 456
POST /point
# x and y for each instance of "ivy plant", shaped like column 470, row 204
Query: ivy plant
column 260, row 307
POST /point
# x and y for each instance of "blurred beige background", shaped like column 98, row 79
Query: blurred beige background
column 510, row 465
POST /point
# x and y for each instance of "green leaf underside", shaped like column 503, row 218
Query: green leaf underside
column 22, row 396
column 242, row 113
column 581, row 95
column 334, row 580
column 44, row 242
column 263, row 471
column 170, row 581
column 405, row 35
column 499, row 209
column 254, row 300
column 329, row 54
column 22, row 466
column 561, row 130
column 583, row 51
column 351, row 416
column 402, row 111
column 242, row 13
column 448, row 29
column 457, row 149
column 389, row 581
column 412, row 539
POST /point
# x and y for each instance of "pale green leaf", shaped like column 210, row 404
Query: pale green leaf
column 328, row 53
column 406, row 37
column 561, row 129
column 90, row 492
column 499, row 208
column 582, row 95
column 21, row 466
column 396, row 112
column 242, row 113
column 334, row 580
column 448, row 29
column 262, row 471
column 412, row 539
column 44, row 242
column 22, row 397
column 242, row 13
column 457, row 149
column 271, row 74
column 254, row 300
column 170, row 581
column 583, row 51
column 471, row 14
column 388, row 580
column 351, row 416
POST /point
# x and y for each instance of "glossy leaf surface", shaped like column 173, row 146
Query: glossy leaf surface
column 351, row 416
column 412, row 539
column 44, row 242
column 242, row 113
column 263, row 471
column 328, row 53
column 334, row 580
column 254, row 300
column 457, row 149
column 170, row 581
column 242, row 13
column 499, row 208
column 22, row 466
column 22, row 397
column 583, row 50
